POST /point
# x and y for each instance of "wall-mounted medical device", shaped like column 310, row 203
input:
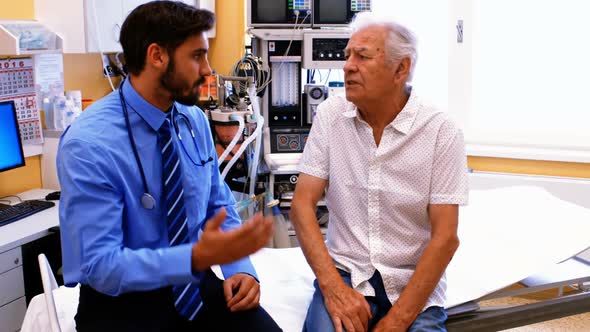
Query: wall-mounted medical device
column 284, row 57
column 324, row 50
column 288, row 140
column 279, row 13
column 303, row 13
column 316, row 94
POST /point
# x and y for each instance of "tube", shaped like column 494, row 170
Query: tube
column 257, row 148
column 235, row 140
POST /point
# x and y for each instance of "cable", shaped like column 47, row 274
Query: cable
column 327, row 78
column 98, row 42
column 295, row 29
column 120, row 65
column 15, row 196
column 258, row 143
column 257, row 132
column 250, row 66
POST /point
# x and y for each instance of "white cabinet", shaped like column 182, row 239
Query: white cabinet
column 12, row 290
column 103, row 25
column 91, row 26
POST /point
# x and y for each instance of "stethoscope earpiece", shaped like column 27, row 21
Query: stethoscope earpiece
column 203, row 162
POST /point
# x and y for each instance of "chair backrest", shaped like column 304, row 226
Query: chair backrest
column 49, row 284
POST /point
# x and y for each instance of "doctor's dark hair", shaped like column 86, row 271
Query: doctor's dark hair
column 166, row 23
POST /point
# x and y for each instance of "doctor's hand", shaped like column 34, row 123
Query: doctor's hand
column 217, row 246
column 347, row 308
column 242, row 292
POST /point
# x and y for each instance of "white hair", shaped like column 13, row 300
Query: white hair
column 400, row 43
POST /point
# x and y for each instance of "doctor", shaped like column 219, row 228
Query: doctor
column 144, row 213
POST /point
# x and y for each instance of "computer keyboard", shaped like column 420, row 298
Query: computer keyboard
column 11, row 213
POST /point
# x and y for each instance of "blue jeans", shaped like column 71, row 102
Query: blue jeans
column 318, row 320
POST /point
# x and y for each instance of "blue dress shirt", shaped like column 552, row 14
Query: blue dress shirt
column 109, row 241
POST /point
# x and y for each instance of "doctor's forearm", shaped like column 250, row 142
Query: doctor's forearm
column 430, row 268
column 128, row 270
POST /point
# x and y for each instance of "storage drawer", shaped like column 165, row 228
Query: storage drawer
column 12, row 285
column 10, row 259
column 12, row 315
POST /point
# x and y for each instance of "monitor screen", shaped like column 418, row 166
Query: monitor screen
column 271, row 11
column 332, row 11
column 11, row 149
column 337, row 12
column 275, row 13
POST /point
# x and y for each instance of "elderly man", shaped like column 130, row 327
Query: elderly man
column 393, row 170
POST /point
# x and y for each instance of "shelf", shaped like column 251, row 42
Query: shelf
column 15, row 36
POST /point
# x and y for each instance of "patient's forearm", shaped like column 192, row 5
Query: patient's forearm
column 431, row 266
column 315, row 250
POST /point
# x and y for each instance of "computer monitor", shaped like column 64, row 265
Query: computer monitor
column 11, row 148
column 332, row 13
column 279, row 13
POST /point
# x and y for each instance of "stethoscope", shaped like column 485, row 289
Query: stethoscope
column 147, row 200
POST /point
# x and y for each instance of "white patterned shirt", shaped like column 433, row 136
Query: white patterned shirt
column 377, row 196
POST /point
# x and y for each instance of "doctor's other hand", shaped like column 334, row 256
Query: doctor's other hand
column 242, row 292
column 348, row 308
column 217, row 246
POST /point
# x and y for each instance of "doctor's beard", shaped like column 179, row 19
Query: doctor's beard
column 175, row 86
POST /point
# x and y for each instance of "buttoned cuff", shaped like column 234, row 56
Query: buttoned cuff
column 243, row 265
column 176, row 264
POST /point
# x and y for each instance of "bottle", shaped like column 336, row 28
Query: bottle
column 48, row 110
column 69, row 114
column 76, row 96
column 281, row 235
column 59, row 110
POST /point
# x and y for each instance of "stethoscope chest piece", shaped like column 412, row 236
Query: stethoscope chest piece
column 148, row 201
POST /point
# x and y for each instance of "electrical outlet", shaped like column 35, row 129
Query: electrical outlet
column 108, row 68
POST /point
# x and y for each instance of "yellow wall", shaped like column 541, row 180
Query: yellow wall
column 21, row 179
column 228, row 45
column 16, row 10
column 84, row 72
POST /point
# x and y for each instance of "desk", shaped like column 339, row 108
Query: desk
column 12, row 237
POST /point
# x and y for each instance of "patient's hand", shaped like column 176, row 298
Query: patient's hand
column 347, row 308
column 242, row 292
column 221, row 247
column 389, row 323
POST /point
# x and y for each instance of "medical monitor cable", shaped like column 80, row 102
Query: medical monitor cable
column 295, row 29
column 97, row 40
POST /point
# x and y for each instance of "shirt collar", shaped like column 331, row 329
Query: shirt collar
column 403, row 121
column 148, row 112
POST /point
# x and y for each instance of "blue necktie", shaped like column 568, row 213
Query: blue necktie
column 186, row 297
